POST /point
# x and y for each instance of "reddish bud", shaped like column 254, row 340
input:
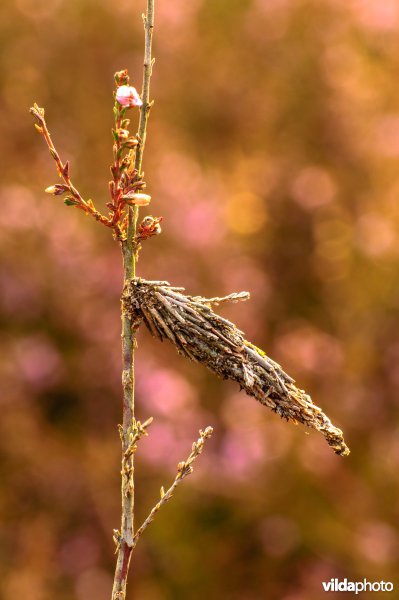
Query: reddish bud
column 149, row 227
column 122, row 77
column 122, row 134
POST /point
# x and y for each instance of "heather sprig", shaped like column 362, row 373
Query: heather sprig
column 74, row 198
column 127, row 185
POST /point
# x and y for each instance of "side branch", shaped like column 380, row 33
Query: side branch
column 183, row 469
column 124, row 538
column 75, row 199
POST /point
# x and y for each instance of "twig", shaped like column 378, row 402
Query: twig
column 63, row 169
column 130, row 246
column 138, row 431
column 183, row 469
column 129, row 327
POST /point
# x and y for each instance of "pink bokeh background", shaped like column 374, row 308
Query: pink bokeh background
column 272, row 155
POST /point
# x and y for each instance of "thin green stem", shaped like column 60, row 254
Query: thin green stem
column 148, row 20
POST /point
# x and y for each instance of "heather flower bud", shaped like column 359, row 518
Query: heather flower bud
column 122, row 134
column 134, row 199
column 57, row 189
column 131, row 143
column 149, row 227
column 50, row 190
column 128, row 96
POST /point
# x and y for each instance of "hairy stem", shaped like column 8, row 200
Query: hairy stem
column 129, row 426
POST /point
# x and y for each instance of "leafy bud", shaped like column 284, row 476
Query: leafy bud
column 149, row 227
column 122, row 134
column 122, row 77
column 69, row 201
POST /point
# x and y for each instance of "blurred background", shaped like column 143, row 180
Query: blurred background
column 273, row 156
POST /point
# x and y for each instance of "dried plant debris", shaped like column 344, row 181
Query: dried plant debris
column 203, row 336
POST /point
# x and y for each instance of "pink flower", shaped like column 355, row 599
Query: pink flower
column 128, row 96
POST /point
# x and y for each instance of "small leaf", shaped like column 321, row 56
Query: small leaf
column 38, row 128
column 65, row 170
column 162, row 492
column 53, row 153
column 69, row 201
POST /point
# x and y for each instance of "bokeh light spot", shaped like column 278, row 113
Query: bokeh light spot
column 313, row 187
column 246, row 213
